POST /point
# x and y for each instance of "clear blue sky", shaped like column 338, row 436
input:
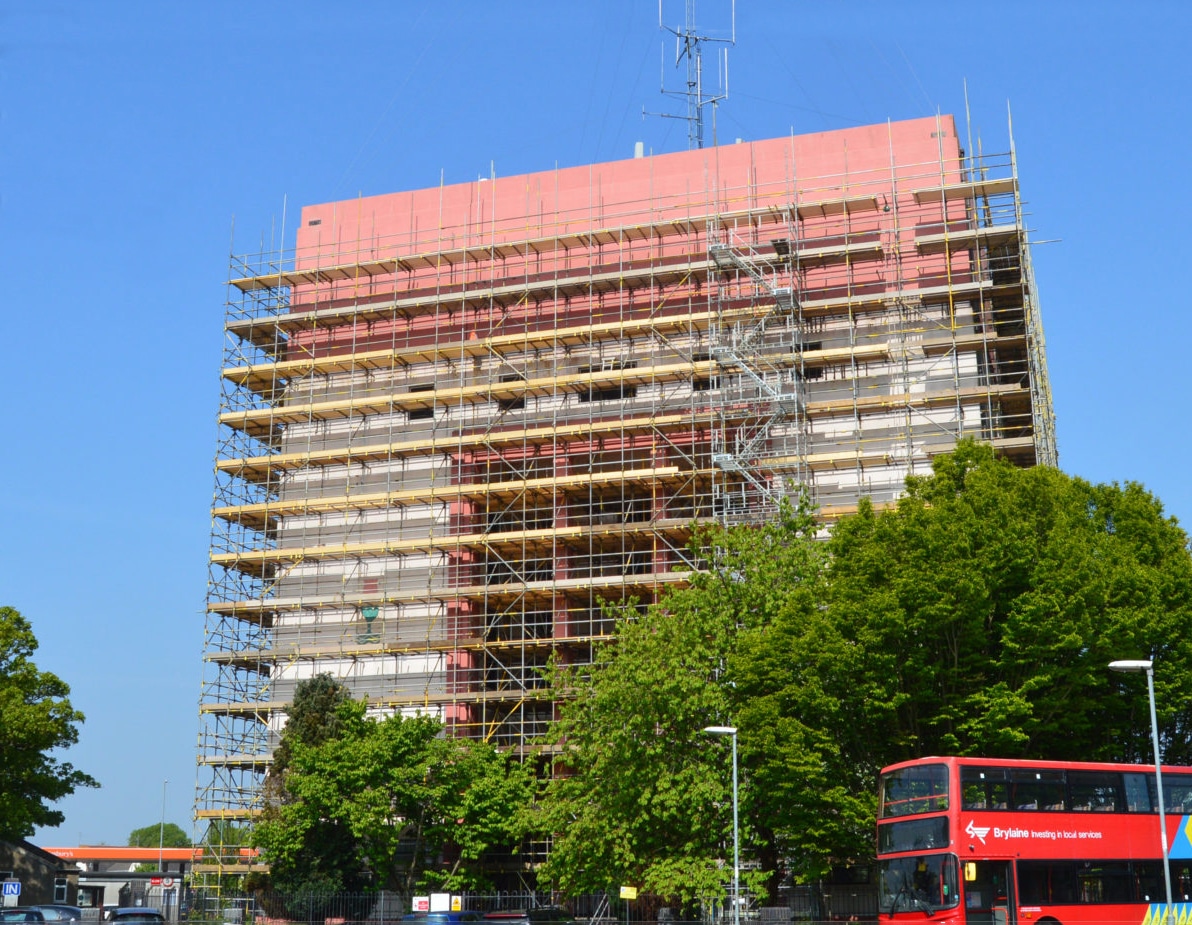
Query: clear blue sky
column 133, row 133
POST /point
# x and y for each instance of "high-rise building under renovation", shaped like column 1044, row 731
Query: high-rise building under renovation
column 457, row 420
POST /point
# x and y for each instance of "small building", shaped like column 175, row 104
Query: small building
column 43, row 877
column 115, row 875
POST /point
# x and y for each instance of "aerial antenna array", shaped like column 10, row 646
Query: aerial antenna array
column 688, row 49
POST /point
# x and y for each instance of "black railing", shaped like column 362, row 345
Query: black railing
column 804, row 905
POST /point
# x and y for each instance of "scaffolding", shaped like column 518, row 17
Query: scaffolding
column 443, row 451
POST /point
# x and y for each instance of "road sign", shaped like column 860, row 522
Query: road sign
column 167, row 882
column 12, row 888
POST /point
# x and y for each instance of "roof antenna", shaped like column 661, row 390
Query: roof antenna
column 687, row 46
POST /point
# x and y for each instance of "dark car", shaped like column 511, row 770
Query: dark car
column 22, row 914
column 442, row 918
column 137, row 915
column 58, row 912
column 543, row 915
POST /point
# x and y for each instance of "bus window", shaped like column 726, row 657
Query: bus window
column 1148, row 881
column 1090, row 886
column 1037, row 789
column 1060, row 882
column 1177, row 793
column 974, row 797
column 1096, row 791
column 914, row 790
column 1114, row 881
column 1041, row 882
column 1140, row 793
column 912, row 835
column 1012, row 788
column 1181, row 881
column 985, row 788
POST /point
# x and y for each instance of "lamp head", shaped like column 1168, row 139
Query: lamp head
column 721, row 730
column 1141, row 664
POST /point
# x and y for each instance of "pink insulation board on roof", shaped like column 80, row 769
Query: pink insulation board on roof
column 869, row 160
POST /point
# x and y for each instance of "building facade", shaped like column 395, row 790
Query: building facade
column 110, row 876
column 456, row 421
column 39, row 876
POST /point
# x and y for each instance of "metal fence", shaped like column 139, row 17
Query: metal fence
column 803, row 905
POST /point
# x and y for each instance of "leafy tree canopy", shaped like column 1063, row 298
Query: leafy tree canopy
column 36, row 718
column 988, row 605
column 221, row 833
column 976, row 617
column 386, row 802
column 170, row 835
column 644, row 795
column 313, row 717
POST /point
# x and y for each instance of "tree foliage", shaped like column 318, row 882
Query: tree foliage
column 313, row 717
column 976, row 617
column 384, row 802
column 36, row 718
column 635, row 798
column 222, row 834
column 992, row 600
column 170, row 836
column 644, row 795
column 311, row 854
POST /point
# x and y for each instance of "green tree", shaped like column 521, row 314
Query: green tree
column 642, row 795
column 308, row 853
column 634, row 798
column 977, row 616
column 478, row 799
column 223, row 837
column 312, row 718
column 992, row 599
column 36, row 718
column 170, row 836
column 220, row 844
column 388, row 803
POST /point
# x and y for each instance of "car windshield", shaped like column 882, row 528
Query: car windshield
column 925, row 883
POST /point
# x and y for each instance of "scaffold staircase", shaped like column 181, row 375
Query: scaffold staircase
column 761, row 363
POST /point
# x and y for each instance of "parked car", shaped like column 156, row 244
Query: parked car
column 442, row 918
column 543, row 915
column 22, row 914
column 137, row 915
column 58, row 912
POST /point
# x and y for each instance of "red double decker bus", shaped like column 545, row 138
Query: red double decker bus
column 983, row 841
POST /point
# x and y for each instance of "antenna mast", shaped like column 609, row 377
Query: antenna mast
column 688, row 44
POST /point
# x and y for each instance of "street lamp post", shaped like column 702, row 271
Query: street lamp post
column 1147, row 666
column 161, row 832
column 732, row 732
